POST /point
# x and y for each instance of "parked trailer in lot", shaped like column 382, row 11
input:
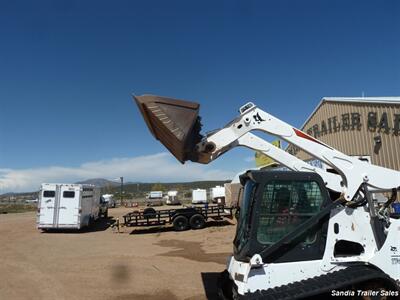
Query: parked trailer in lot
column 67, row 206
column 217, row 194
column 194, row 217
column 155, row 198
column 172, row 198
column 109, row 199
column 199, row 196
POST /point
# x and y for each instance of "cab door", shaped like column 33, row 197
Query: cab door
column 68, row 209
column 47, row 205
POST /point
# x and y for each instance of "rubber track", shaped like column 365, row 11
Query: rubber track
column 321, row 284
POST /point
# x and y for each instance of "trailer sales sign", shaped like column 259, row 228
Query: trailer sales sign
column 374, row 122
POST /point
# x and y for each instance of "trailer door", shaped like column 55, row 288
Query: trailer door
column 68, row 210
column 47, row 206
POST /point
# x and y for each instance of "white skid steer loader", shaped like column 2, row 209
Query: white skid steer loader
column 303, row 234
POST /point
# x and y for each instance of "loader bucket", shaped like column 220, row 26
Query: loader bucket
column 175, row 123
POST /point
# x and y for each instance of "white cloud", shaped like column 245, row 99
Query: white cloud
column 158, row 167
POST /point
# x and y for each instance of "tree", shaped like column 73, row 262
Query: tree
column 158, row 187
column 179, row 187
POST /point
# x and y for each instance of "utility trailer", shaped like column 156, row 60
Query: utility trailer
column 67, row 206
column 194, row 217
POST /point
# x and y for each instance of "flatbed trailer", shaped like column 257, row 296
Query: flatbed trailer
column 193, row 217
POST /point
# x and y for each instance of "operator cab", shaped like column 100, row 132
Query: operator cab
column 274, row 204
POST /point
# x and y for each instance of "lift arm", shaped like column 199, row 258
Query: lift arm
column 353, row 171
column 249, row 140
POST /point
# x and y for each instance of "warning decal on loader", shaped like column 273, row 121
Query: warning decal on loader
column 308, row 137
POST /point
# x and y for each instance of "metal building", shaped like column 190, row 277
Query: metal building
column 367, row 127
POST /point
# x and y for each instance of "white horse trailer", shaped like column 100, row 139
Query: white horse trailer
column 199, row 196
column 218, row 194
column 67, row 206
column 172, row 198
column 109, row 199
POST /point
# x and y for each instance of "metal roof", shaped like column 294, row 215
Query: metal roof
column 382, row 100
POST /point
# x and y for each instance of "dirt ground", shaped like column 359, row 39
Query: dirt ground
column 102, row 264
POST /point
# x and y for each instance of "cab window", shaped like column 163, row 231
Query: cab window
column 243, row 227
column 284, row 206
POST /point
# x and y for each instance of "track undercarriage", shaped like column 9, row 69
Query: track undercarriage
column 354, row 282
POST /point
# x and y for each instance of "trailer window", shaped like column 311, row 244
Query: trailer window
column 68, row 194
column 49, row 194
column 284, row 206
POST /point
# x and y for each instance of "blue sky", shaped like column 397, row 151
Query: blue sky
column 68, row 69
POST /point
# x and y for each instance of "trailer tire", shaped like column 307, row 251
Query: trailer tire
column 180, row 223
column 149, row 212
column 197, row 221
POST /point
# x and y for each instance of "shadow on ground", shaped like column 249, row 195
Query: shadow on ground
column 101, row 224
column 191, row 251
column 149, row 230
column 219, row 223
column 210, row 280
column 169, row 228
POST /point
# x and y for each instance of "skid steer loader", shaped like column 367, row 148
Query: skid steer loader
column 303, row 234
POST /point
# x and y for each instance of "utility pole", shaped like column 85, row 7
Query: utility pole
column 122, row 187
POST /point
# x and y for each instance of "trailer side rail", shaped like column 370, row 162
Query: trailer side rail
column 167, row 216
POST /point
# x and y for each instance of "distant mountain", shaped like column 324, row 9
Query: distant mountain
column 8, row 194
column 24, row 195
column 100, row 182
column 135, row 188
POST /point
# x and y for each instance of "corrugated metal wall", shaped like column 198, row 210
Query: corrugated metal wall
column 358, row 141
